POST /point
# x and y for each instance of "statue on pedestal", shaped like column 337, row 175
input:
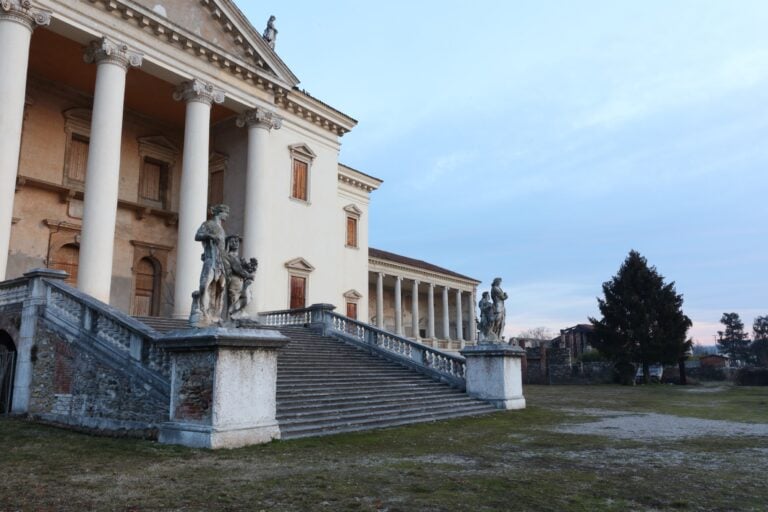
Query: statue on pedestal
column 226, row 277
column 492, row 314
column 270, row 33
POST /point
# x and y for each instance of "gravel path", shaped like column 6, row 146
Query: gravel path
column 625, row 425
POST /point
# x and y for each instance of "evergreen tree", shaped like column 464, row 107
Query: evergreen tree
column 759, row 346
column 643, row 320
column 733, row 341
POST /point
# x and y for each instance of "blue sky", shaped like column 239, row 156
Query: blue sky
column 541, row 141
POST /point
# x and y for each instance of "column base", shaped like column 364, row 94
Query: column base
column 506, row 403
column 201, row 436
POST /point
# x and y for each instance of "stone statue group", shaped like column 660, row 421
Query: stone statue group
column 226, row 278
column 492, row 313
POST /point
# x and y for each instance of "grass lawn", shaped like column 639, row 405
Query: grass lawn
column 514, row 460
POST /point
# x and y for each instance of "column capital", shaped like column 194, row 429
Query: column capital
column 112, row 52
column 416, row 282
column 260, row 118
column 22, row 12
column 197, row 90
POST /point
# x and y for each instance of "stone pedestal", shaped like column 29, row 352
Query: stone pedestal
column 223, row 387
column 494, row 374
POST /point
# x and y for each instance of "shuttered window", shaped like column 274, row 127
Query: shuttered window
column 78, row 158
column 351, row 232
column 298, row 292
column 216, row 188
column 352, row 310
column 153, row 184
column 66, row 259
column 299, row 189
column 144, row 299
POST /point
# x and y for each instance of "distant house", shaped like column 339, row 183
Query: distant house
column 577, row 338
column 714, row 361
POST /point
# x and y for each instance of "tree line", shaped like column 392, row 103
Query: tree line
column 734, row 341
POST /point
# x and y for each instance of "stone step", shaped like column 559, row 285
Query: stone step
column 304, row 410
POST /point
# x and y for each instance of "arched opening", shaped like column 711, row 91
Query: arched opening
column 146, row 297
column 7, row 368
column 66, row 258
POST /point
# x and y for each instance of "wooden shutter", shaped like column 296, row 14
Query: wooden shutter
column 146, row 286
column 351, row 232
column 300, row 172
column 66, row 258
column 78, row 158
column 151, row 181
column 216, row 188
column 298, row 292
column 352, row 310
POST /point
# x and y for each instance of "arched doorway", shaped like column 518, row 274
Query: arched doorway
column 7, row 368
column 66, row 258
column 146, row 297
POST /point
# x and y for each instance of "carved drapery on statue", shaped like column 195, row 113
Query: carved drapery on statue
column 225, row 280
column 492, row 313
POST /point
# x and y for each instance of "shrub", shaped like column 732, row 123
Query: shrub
column 752, row 377
column 592, row 356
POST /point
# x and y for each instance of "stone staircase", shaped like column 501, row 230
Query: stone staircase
column 326, row 386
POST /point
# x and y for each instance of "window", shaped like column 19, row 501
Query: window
column 153, row 183
column 352, row 310
column 352, row 299
column 77, row 126
column 217, row 167
column 300, row 175
column 158, row 155
column 66, row 258
column 298, row 277
column 352, row 215
column 298, row 292
column 301, row 161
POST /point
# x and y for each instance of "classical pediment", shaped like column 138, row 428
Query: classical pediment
column 217, row 23
column 299, row 265
column 353, row 295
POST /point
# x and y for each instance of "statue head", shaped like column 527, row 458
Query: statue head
column 497, row 281
column 233, row 242
column 486, row 295
column 272, row 19
column 220, row 210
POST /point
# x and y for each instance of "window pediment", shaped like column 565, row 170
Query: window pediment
column 351, row 209
column 302, row 150
column 353, row 295
column 159, row 147
column 299, row 265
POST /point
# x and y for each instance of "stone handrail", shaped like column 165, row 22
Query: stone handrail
column 437, row 364
column 13, row 291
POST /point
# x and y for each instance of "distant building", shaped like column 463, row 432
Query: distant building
column 578, row 339
column 715, row 361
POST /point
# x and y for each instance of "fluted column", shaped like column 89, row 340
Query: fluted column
column 398, row 306
column 446, row 317
column 415, row 309
column 16, row 25
column 102, row 176
column 431, row 311
column 380, row 300
column 193, row 202
column 257, row 221
column 459, row 318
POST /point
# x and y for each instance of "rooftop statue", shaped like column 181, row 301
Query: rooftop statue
column 225, row 275
column 270, row 33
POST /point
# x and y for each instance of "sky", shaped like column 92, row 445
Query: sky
column 542, row 141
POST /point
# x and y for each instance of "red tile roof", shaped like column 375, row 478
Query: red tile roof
column 396, row 258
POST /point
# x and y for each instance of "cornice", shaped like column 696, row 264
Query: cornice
column 356, row 182
column 22, row 12
column 409, row 272
column 257, row 73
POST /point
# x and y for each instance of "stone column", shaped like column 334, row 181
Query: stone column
column 415, row 309
column 446, row 317
column 380, row 300
column 16, row 25
column 193, row 202
column 398, row 306
column 459, row 318
column 257, row 219
column 223, row 387
column 472, row 324
column 431, row 312
column 102, row 176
